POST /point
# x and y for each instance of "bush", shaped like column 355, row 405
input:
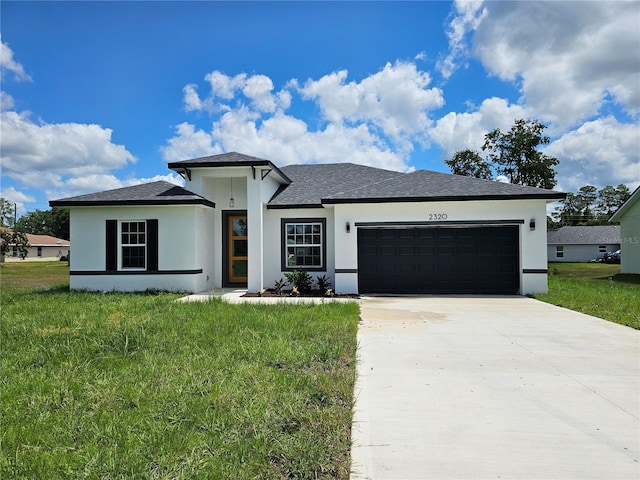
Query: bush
column 300, row 280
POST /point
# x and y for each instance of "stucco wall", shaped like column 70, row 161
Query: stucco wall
column 533, row 254
column 630, row 240
column 178, row 248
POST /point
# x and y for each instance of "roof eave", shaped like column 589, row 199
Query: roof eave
column 446, row 198
column 180, row 166
column 127, row 203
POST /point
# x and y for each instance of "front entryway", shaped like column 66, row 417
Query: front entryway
column 235, row 248
column 439, row 260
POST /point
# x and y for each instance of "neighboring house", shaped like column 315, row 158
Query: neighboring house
column 583, row 243
column 41, row 247
column 242, row 221
column 629, row 217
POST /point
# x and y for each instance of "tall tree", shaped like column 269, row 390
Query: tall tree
column 54, row 222
column 515, row 155
column 7, row 213
column 470, row 164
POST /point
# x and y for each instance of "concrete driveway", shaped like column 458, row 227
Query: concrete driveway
column 494, row 387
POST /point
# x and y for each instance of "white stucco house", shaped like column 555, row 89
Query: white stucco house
column 582, row 243
column 629, row 217
column 242, row 221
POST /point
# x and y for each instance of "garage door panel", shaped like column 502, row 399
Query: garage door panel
column 439, row 260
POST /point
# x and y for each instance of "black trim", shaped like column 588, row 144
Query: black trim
column 295, row 205
column 115, row 203
column 152, row 245
column 248, row 163
column 535, row 270
column 283, row 243
column 448, row 198
column 443, row 223
column 111, row 254
column 136, row 272
column 346, row 270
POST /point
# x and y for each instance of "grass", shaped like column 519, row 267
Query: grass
column 596, row 289
column 139, row 386
column 21, row 276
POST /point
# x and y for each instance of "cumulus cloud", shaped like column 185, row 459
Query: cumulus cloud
column 16, row 197
column 567, row 58
column 460, row 131
column 600, row 152
column 8, row 64
column 189, row 142
column 6, row 101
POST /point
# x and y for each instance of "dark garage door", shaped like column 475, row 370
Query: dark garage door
column 438, row 260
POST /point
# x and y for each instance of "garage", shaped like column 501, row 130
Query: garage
column 442, row 260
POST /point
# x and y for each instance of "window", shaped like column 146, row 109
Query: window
column 304, row 244
column 559, row 251
column 14, row 251
column 133, row 243
column 39, row 251
column 602, row 249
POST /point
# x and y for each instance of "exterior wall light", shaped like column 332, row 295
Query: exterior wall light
column 532, row 224
column 232, row 202
column 348, row 226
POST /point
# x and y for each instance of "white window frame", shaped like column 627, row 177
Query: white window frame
column 602, row 248
column 122, row 245
column 39, row 250
column 559, row 251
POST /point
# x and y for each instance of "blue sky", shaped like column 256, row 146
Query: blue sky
column 102, row 95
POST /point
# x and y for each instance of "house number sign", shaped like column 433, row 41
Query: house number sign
column 437, row 216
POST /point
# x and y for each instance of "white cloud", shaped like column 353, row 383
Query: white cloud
column 16, row 197
column 567, row 58
column 601, row 152
column 395, row 99
column 7, row 63
column 461, row 131
column 189, row 143
column 6, row 101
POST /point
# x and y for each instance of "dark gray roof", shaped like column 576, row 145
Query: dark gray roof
column 231, row 159
column 155, row 193
column 593, row 235
column 314, row 185
column 311, row 183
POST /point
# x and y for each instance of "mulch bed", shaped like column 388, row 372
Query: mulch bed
column 287, row 293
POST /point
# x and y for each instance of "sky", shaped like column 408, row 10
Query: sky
column 101, row 95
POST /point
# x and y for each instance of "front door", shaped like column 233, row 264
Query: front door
column 237, row 248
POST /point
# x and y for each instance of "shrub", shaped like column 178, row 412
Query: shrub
column 323, row 283
column 301, row 280
column 278, row 286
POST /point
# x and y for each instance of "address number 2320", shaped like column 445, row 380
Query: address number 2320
column 437, row 216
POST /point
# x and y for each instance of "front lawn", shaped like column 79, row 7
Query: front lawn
column 596, row 289
column 139, row 386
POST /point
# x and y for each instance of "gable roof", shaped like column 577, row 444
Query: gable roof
column 635, row 196
column 42, row 240
column 585, row 235
column 154, row 193
column 231, row 159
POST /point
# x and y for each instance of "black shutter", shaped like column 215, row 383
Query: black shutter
column 152, row 245
column 112, row 246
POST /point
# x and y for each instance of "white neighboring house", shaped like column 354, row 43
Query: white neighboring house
column 629, row 217
column 582, row 243
column 41, row 247
column 241, row 221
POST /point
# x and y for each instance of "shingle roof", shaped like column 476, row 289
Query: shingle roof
column 155, row 193
column 231, row 159
column 46, row 240
column 314, row 185
column 585, row 235
column 311, row 183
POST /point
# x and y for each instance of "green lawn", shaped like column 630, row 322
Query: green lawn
column 596, row 289
column 139, row 386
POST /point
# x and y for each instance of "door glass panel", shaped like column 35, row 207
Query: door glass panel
column 239, row 268
column 239, row 248
column 239, row 227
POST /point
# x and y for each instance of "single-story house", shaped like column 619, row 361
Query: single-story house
column 629, row 217
column 41, row 247
column 582, row 243
column 242, row 221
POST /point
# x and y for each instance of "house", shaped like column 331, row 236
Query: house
column 629, row 217
column 582, row 243
column 242, row 221
column 41, row 247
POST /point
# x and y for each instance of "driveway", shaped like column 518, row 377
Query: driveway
column 494, row 388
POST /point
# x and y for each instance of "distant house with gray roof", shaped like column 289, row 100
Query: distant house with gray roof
column 243, row 222
column 582, row 243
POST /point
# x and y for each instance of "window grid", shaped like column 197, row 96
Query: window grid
column 304, row 245
column 602, row 248
column 559, row 251
column 133, row 242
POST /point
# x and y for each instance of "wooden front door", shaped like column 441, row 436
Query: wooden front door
column 237, row 254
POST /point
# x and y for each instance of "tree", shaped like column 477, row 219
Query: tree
column 514, row 154
column 591, row 206
column 13, row 238
column 610, row 199
column 470, row 164
column 7, row 213
column 54, row 222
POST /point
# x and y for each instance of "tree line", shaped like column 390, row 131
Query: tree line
column 589, row 206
